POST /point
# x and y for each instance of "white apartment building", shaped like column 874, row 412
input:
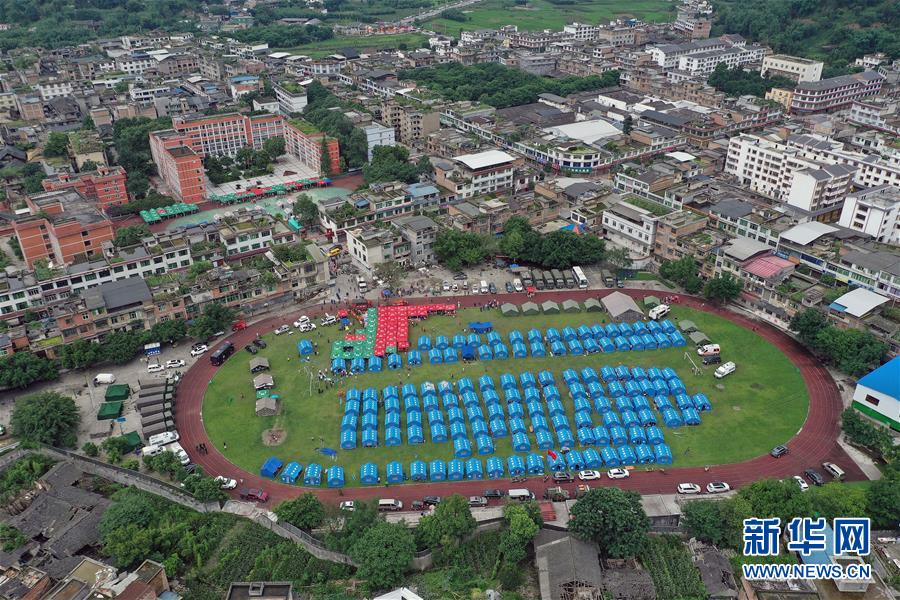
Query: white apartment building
column 704, row 63
column 135, row 64
column 54, row 89
column 291, row 98
column 141, row 94
column 632, row 224
column 872, row 170
column 792, row 67
column 378, row 135
column 581, row 31
column 877, row 112
column 779, row 171
column 476, row 174
column 668, row 55
column 369, row 246
column 874, row 211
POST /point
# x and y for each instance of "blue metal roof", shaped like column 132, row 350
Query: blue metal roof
column 885, row 379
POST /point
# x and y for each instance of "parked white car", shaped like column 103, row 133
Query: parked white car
column 306, row 327
column 689, row 488
column 618, row 473
column 328, row 320
column 718, row 487
column 301, row 321
column 225, row 483
column 801, row 483
column 589, row 475
column 155, row 368
column 724, row 370
column 282, row 329
column 347, row 505
column 199, row 349
column 175, row 363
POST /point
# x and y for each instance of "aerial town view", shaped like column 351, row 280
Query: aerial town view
column 450, row 300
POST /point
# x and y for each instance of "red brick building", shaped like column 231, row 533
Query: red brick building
column 106, row 186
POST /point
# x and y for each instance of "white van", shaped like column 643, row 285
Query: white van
column 104, row 378
column 389, row 505
column 658, row 312
column 834, row 470
column 361, row 283
column 726, row 369
column 708, row 349
column 176, row 449
column 484, row 286
column 151, row 450
column 161, row 439
column 521, row 494
column 517, row 285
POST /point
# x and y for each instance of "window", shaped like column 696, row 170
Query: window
column 872, row 400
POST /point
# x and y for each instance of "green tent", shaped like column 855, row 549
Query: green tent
column 571, row 306
column 509, row 310
column 687, row 326
column 530, row 308
column 117, row 392
column 133, row 440
column 550, row 307
column 698, row 337
column 109, row 410
column 593, row 305
column 651, row 301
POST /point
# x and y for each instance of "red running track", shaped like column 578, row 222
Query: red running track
column 815, row 443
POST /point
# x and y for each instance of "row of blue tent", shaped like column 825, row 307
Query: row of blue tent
column 496, row 468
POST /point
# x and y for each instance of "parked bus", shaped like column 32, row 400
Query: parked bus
column 558, row 279
column 580, row 279
column 221, row 355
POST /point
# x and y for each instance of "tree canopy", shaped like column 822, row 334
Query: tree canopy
column 24, row 368
column 614, row 519
column 216, row 317
column 390, row 163
column 853, row 351
column 738, row 82
column 130, row 235
column 723, row 288
column 354, row 148
column 305, row 511
column 683, row 272
column 450, row 522
column 46, row 418
column 383, row 554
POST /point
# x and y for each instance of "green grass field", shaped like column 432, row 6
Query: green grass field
column 538, row 15
column 359, row 43
column 762, row 404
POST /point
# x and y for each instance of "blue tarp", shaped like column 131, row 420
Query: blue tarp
column 291, row 472
column 313, row 475
column 335, row 476
column 368, row 474
column 395, row 472
column 305, row 347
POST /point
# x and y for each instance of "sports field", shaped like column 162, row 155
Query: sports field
column 360, row 43
column 764, row 403
column 538, row 15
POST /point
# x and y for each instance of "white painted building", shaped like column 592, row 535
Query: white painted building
column 632, row 224
column 291, row 97
column 54, row 89
column 581, row 31
column 874, row 211
column 378, row 135
column 704, row 63
column 792, row 67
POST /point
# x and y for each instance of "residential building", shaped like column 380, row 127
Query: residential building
column 877, row 394
column 378, row 135
column 31, row 108
column 835, row 93
column 668, row 55
column 106, row 185
column 872, row 169
column 477, row 174
column 371, row 245
column 251, row 233
column 86, row 146
column 291, row 97
column 123, row 305
column 135, row 63
column 179, row 166
column 677, row 234
column 632, row 223
column 54, row 89
column 60, row 227
column 581, row 31
column 874, row 211
column 704, row 63
column 793, row 67
column 877, row 113
column 420, row 232
column 410, row 123
column 379, row 203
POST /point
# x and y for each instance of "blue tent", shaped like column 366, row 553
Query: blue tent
column 411, row 402
column 348, row 439
column 582, row 419
column 515, row 337
column 479, row 428
column 450, row 402
column 610, row 457
column 601, row 435
column 623, row 403
column 646, row 417
column 424, row 343
column 575, row 460
column 486, row 382
column 615, row 389
column 557, row 348
column 649, row 341
column 494, row 468
column 484, row 444
column 565, row 438
column 606, row 344
column 351, row 407
column 395, row 472
column 598, row 331
column 493, row 405
column 516, row 422
column 669, row 373
column 394, row 361
column 437, row 470
column 602, row 405
column 557, row 463
column 636, row 435
column 474, row 413
column 455, row 415
column 582, row 404
column 545, row 378
column 485, row 353
column 663, row 454
column 544, row 439
column 646, row 387
column 513, row 398
column 462, row 448
column 644, row 455
column 520, row 442
column 473, row 469
column 626, row 455
column 467, row 353
column 338, row 365
column 435, row 416
column 691, row 416
column 455, row 470
column 611, row 418
column 413, row 358
column 370, row 407
column 671, row 418
column 654, row 435
column 595, row 390
column 660, row 387
column 519, row 350
column 584, row 332
column 414, row 435
column 654, row 327
column 459, row 341
column 413, row 417
column 352, row 394
column 375, row 364
column 701, row 402
column 623, row 373
column 662, row 341
column 683, row 401
column 661, row 402
column 458, row 430
column 622, row 344
column 349, row 423
column 640, row 402
column 608, row 373
column 392, row 436
column 368, row 474
column 430, row 405
column 568, row 333
column 450, row 355
column 470, row 399
column 590, row 346
column 438, row 433
column 358, row 365
column 560, row 422
column 629, row 418
column 313, row 475
column 586, row 436
column 677, row 339
column 305, row 347
column 494, row 338
column 291, row 472
column 535, row 335
column 612, row 330
column 555, row 407
column 479, row 327
column 418, row 470
column 592, row 459
column 527, row 380
column 625, row 329
column 576, row 348
column 465, row 385
column 370, row 438
column 636, row 342
column 676, row 386
column 617, row 435
column 639, row 327
column 498, row 427
column 501, row 352
column 534, row 463
column 667, row 326
column 653, row 374
column 441, row 342
column 335, row 476
column 589, row 375
column 473, row 340
column 551, row 335
column 435, row 356
column 516, row 465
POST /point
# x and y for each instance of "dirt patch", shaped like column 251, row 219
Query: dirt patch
column 274, row 436
column 756, row 386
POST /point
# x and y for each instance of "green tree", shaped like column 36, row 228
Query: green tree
column 808, row 324
column 57, row 145
column 838, row 500
column 614, row 519
column 883, row 500
column 619, row 259
column 512, row 245
column 383, row 554
column 90, row 449
column 274, row 147
column 88, row 166
column 24, row 368
column 717, row 522
column 424, row 166
column 46, row 418
column 168, row 331
column 165, row 463
column 306, row 211
column 204, row 489
column 627, row 125
column 448, row 525
column 770, row 498
column 80, row 354
column 216, row 317
column 305, row 511
column 390, row 163
column 119, row 347
column 723, row 288
column 391, row 273
column 137, row 184
column 130, row 235
column 520, row 531
column 11, row 538
column 457, row 249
